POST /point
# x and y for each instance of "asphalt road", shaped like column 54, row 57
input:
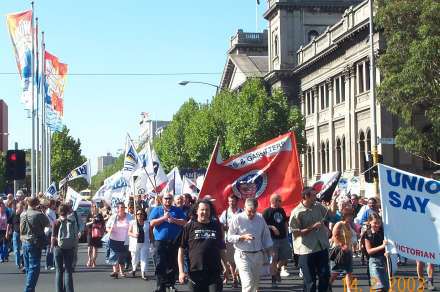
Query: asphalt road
column 97, row 279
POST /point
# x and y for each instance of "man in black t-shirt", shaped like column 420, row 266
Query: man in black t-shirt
column 277, row 221
column 204, row 239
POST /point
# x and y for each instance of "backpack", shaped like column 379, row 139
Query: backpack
column 67, row 234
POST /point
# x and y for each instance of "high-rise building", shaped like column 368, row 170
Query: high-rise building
column 3, row 126
column 104, row 161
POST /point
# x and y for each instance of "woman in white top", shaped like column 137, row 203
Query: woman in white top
column 117, row 227
column 139, row 242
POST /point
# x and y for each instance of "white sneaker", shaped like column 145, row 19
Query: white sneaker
column 300, row 273
column 284, row 273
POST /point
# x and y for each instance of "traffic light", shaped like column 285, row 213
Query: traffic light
column 371, row 172
column 15, row 165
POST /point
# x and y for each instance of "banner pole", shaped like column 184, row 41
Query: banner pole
column 32, row 109
column 43, row 122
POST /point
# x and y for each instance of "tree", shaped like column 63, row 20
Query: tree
column 410, row 70
column 66, row 156
column 240, row 119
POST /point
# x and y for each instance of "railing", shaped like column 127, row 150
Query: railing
column 249, row 38
column 351, row 18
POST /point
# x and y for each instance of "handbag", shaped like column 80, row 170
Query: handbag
column 334, row 252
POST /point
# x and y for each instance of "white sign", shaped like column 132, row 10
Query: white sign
column 412, row 202
column 74, row 197
column 387, row 141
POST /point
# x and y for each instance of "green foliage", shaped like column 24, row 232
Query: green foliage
column 240, row 119
column 66, row 155
column 410, row 68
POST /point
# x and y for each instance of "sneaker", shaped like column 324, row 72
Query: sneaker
column 274, row 282
column 431, row 286
column 300, row 274
column 284, row 273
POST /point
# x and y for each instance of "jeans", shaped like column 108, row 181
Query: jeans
column 32, row 260
column 205, row 281
column 3, row 246
column 166, row 264
column 312, row 265
column 16, row 243
column 49, row 254
column 64, row 269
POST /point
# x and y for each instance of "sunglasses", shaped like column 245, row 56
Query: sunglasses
column 139, row 214
column 168, row 198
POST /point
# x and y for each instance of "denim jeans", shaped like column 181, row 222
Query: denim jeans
column 32, row 260
column 64, row 269
column 16, row 243
column 3, row 246
column 166, row 264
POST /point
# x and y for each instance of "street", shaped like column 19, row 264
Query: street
column 98, row 279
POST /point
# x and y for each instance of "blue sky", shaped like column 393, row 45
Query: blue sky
column 125, row 37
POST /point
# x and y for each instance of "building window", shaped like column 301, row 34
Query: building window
column 337, row 90
column 344, row 154
column 342, row 88
column 311, row 35
column 313, row 100
column 275, row 46
column 322, row 96
column 309, row 162
column 327, row 95
column 308, row 102
column 360, row 75
column 361, row 143
column 323, row 158
column 338, row 155
column 368, row 142
column 327, row 155
column 367, row 75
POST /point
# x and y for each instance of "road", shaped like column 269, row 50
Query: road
column 97, row 279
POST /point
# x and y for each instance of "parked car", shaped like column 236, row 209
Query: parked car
column 83, row 211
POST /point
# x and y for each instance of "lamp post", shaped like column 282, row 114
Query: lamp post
column 185, row 82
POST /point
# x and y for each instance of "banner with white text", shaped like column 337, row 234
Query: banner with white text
column 411, row 214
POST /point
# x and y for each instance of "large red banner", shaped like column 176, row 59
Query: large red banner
column 273, row 166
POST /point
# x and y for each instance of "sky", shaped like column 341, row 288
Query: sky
column 124, row 37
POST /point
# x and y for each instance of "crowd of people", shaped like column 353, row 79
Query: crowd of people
column 189, row 242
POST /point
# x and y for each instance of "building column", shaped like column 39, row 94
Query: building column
column 331, row 152
column 316, row 134
column 353, row 126
column 303, row 156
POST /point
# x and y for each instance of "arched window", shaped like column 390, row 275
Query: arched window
column 361, row 143
column 311, row 35
column 338, row 155
column 344, row 154
column 309, row 162
column 323, row 158
column 368, row 142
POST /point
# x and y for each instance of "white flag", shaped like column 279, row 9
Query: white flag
column 131, row 158
column 73, row 197
column 81, row 171
column 160, row 178
column 189, row 187
column 175, row 183
column 118, row 186
column 100, row 193
column 51, row 192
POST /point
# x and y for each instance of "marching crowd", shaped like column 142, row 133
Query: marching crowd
column 190, row 243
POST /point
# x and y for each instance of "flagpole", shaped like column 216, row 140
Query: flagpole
column 49, row 153
column 32, row 107
column 256, row 16
column 37, row 103
column 43, row 122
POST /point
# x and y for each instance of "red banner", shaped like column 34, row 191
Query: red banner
column 273, row 166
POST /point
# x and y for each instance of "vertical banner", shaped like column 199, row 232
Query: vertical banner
column 412, row 202
column 55, row 80
column 20, row 30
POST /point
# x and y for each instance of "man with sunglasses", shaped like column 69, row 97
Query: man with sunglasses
column 167, row 221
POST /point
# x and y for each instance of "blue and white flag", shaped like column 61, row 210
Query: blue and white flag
column 81, row 171
column 131, row 158
column 116, row 187
column 51, row 192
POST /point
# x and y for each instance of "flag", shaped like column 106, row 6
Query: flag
column 51, row 192
column 175, row 183
column 273, row 166
column 411, row 218
column 189, row 187
column 131, row 158
column 54, row 83
column 20, row 29
column 73, row 197
column 81, row 171
column 117, row 189
column 100, row 193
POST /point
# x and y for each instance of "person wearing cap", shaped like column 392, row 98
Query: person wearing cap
column 252, row 242
column 311, row 239
column 166, row 221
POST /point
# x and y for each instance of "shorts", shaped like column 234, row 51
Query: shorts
column 230, row 252
column 281, row 249
column 347, row 267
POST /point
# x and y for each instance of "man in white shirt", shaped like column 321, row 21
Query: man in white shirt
column 250, row 235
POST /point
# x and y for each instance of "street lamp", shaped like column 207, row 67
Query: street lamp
column 185, row 82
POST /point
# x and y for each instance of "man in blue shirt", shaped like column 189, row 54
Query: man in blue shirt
column 167, row 221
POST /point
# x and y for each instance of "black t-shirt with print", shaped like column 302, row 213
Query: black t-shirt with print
column 276, row 217
column 204, row 241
